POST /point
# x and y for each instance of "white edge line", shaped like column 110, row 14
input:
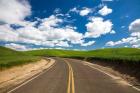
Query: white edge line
column 112, row 76
column 24, row 83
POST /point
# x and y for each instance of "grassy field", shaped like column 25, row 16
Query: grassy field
column 123, row 54
column 9, row 58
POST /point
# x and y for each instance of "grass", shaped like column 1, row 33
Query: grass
column 112, row 54
column 55, row 52
column 10, row 58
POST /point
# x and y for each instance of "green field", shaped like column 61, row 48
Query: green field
column 9, row 58
column 124, row 54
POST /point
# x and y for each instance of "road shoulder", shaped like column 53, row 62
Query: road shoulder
column 16, row 75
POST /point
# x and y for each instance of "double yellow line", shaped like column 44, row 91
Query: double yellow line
column 71, row 86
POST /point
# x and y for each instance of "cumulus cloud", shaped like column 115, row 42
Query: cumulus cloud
column 136, row 46
column 48, row 33
column 42, row 32
column 122, row 41
column 88, row 43
column 135, row 26
column 112, row 32
column 107, row 0
column 16, row 46
column 133, row 39
column 14, row 11
column 48, row 23
column 98, row 27
column 83, row 12
column 135, row 34
column 105, row 11
column 74, row 10
column 7, row 33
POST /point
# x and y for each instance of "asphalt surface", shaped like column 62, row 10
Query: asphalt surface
column 72, row 76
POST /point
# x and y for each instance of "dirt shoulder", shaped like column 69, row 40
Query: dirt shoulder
column 16, row 75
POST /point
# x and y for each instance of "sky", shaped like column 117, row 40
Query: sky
column 69, row 24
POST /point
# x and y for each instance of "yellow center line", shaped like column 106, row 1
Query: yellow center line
column 71, row 86
column 68, row 90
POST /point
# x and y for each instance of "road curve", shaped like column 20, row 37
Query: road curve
column 72, row 76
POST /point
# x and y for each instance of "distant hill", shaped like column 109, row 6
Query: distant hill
column 8, row 52
column 9, row 57
column 129, row 54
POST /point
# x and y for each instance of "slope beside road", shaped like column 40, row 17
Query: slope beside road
column 72, row 76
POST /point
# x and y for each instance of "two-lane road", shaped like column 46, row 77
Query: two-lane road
column 72, row 76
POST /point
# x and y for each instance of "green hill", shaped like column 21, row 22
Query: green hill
column 55, row 52
column 8, row 52
column 9, row 58
column 125, row 54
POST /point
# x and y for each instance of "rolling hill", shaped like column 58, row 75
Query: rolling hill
column 9, row 58
column 128, row 54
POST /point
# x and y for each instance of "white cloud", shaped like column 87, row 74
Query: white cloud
column 7, row 33
column 62, row 44
column 110, row 43
column 48, row 33
column 129, row 40
column 48, row 23
column 136, row 46
column 112, row 32
column 74, row 10
column 14, row 11
column 135, row 34
column 88, row 43
column 85, row 11
column 107, row 0
column 133, row 40
column 105, row 11
column 16, row 46
column 135, row 26
column 98, row 27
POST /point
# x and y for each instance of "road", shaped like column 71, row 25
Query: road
column 72, row 76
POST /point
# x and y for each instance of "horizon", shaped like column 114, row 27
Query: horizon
column 66, row 49
column 73, row 25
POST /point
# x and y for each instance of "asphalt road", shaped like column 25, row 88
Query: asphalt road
column 72, row 76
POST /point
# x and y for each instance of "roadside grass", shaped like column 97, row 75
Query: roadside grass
column 10, row 58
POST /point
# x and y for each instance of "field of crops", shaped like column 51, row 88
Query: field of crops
column 9, row 58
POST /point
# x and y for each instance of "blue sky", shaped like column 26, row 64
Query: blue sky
column 69, row 24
